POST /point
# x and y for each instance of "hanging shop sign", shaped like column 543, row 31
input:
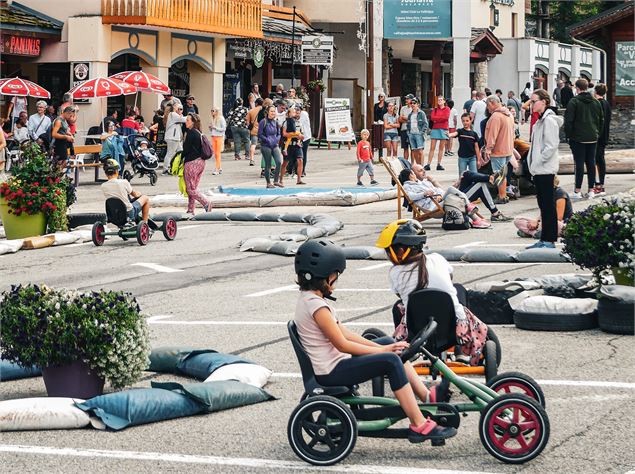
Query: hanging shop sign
column 80, row 72
column 317, row 50
column 20, row 45
column 417, row 19
column 240, row 50
column 337, row 116
column 259, row 56
column 625, row 68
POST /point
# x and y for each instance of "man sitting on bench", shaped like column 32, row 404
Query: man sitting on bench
column 136, row 203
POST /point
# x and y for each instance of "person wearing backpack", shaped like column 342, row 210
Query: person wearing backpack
column 269, row 135
column 194, row 151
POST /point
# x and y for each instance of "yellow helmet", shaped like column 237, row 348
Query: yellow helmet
column 407, row 234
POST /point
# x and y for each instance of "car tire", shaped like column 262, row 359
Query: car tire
column 616, row 317
column 555, row 322
column 85, row 218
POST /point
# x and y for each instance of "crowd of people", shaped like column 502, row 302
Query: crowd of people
column 490, row 149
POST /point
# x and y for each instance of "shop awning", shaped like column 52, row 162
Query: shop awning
column 17, row 18
column 484, row 44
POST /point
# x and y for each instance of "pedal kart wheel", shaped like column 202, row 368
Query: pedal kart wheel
column 322, row 430
column 169, row 229
column 153, row 179
column 490, row 361
column 127, row 175
column 98, row 231
column 491, row 336
column 517, row 383
column 373, row 333
column 514, row 428
column 143, row 233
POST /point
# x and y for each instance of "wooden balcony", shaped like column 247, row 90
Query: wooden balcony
column 224, row 17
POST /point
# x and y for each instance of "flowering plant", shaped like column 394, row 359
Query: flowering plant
column 601, row 237
column 316, row 85
column 44, row 327
column 36, row 186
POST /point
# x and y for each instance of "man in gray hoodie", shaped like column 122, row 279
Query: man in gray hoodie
column 543, row 165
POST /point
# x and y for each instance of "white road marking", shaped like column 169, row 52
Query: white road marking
column 253, row 463
column 272, row 291
column 160, row 320
column 470, row 244
column 375, row 267
column 185, row 227
column 562, row 383
column 157, row 268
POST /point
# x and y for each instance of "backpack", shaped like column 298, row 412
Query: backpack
column 524, row 97
column 206, row 148
column 455, row 217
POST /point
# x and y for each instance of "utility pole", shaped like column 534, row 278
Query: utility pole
column 293, row 50
column 370, row 65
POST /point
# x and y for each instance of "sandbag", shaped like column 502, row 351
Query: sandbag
column 284, row 248
column 451, row 255
column 31, row 243
column 488, row 255
column 292, row 237
column 297, row 218
column 313, row 232
column 621, row 293
column 166, row 359
column 554, row 305
column 251, row 374
column 177, row 216
column 330, row 227
column 242, row 216
column 220, row 395
column 551, row 313
column 10, row 246
column 540, row 255
column 362, row 252
column 46, row 413
column 211, row 216
column 257, row 244
column 269, row 217
column 64, row 238
column 201, row 363
column 139, row 406
column 12, row 371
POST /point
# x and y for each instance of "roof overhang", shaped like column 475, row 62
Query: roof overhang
column 590, row 26
column 19, row 19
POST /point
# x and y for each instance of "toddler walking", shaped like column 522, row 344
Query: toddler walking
column 365, row 159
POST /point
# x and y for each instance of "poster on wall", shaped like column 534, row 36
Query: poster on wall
column 396, row 101
column 80, row 72
column 337, row 116
column 417, row 19
column 625, row 68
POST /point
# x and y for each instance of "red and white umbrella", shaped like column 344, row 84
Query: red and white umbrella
column 101, row 87
column 22, row 87
column 143, row 81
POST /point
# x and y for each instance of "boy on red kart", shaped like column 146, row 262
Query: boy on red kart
column 342, row 357
column 136, row 203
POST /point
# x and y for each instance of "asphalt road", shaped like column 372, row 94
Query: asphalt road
column 239, row 302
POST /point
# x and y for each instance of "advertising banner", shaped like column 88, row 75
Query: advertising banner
column 625, row 68
column 337, row 116
column 417, row 19
column 80, row 72
column 317, row 50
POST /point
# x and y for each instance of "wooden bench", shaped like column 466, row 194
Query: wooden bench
column 86, row 150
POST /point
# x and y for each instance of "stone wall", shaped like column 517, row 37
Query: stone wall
column 622, row 134
column 480, row 76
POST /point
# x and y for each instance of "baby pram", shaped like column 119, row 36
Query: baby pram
column 143, row 159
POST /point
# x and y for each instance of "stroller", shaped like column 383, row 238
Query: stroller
column 143, row 158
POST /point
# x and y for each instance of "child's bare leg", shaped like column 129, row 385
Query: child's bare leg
column 418, row 386
column 433, row 146
column 408, row 402
column 441, row 151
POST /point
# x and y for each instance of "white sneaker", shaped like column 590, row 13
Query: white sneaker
column 591, row 194
column 215, row 172
column 576, row 196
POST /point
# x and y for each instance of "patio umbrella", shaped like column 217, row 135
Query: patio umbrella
column 22, row 87
column 143, row 81
column 101, row 87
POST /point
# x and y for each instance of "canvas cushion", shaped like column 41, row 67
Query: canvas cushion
column 46, row 413
column 211, row 216
column 540, row 255
column 12, row 371
column 200, row 364
column 251, row 374
column 545, row 304
column 242, row 216
column 269, row 217
column 166, row 359
column 488, row 255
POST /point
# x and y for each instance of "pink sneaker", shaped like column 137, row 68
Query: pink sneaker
column 481, row 224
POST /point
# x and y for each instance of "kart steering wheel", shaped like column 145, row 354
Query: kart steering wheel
column 419, row 341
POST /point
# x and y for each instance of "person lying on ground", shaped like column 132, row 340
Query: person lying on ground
column 135, row 202
column 341, row 357
column 412, row 270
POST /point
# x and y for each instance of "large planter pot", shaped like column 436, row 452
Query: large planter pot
column 74, row 380
column 22, row 226
column 622, row 276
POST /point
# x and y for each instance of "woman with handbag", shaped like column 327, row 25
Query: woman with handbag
column 194, row 164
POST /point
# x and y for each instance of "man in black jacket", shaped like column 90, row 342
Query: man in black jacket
column 566, row 94
column 603, row 139
column 583, row 123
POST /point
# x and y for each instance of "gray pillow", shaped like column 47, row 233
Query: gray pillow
column 451, row 255
column 242, row 216
column 488, row 255
column 211, row 216
column 540, row 255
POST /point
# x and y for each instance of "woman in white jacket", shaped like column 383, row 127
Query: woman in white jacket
column 173, row 119
column 543, row 165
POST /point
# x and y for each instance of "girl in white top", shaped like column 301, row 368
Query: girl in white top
column 341, row 357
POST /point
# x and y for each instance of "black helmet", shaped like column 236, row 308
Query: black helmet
column 238, row 102
column 111, row 166
column 318, row 258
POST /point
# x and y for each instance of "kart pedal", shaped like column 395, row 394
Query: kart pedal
column 437, row 442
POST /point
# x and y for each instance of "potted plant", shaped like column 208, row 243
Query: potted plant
column 78, row 339
column 316, row 85
column 36, row 194
column 600, row 238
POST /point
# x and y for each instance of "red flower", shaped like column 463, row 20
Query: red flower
column 45, row 190
column 30, row 203
column 36, row 184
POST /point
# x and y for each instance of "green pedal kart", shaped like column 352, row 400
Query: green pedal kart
column 323, row 428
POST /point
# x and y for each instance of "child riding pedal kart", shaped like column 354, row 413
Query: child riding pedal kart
column 323, row 428
column 129, row 210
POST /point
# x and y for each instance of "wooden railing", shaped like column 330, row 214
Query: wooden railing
column 226, row 17
column 285, row 13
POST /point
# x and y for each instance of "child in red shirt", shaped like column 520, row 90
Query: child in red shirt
column 365, row 159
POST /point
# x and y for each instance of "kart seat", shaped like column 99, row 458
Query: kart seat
column 311, row 386
column 425, row 304
column 116, row 212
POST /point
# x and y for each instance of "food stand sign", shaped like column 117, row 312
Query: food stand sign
column 417, row 19
column 317, row 50
column 625, row 68
column 20, row 45
column 337, row 116
column 80, row 72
